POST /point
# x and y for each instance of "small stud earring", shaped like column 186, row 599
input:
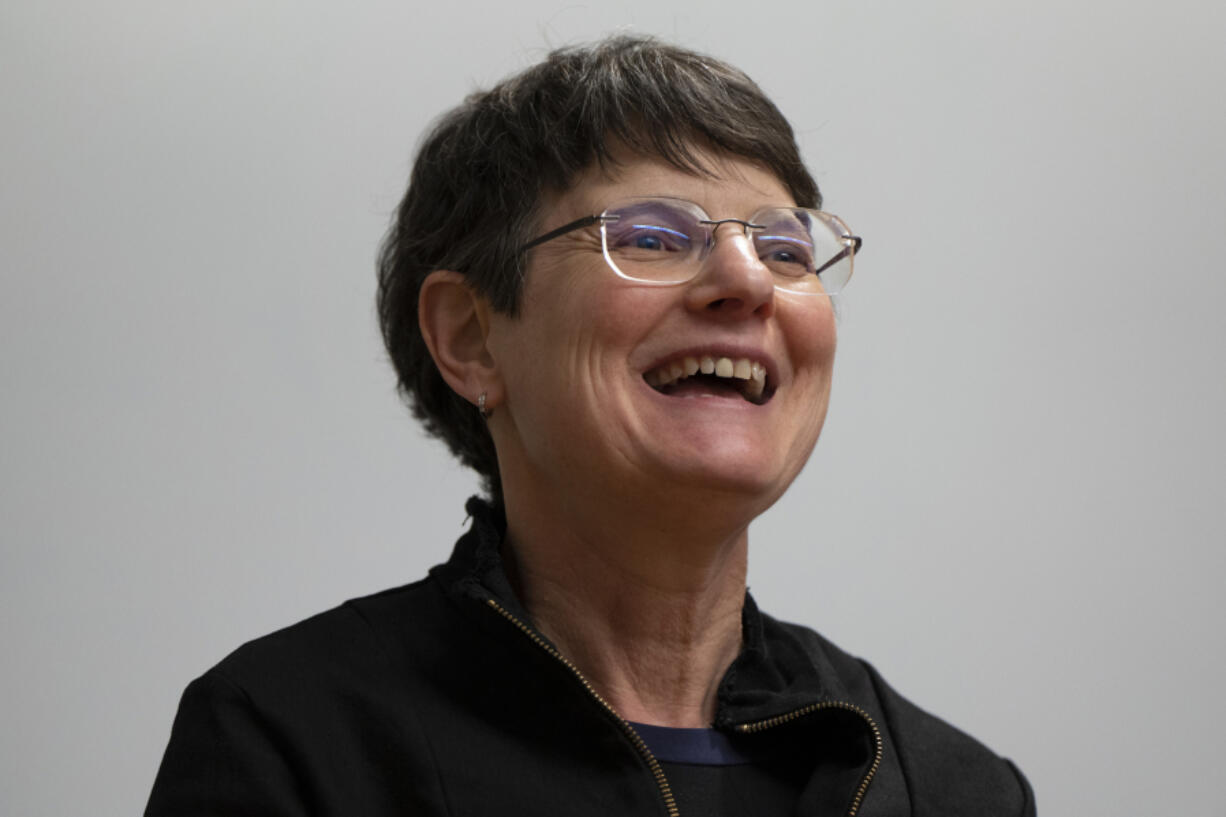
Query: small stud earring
column 481, row 407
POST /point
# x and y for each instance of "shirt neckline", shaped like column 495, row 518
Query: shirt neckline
column 698, row 747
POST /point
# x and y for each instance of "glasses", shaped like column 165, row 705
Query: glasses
column 664, row 241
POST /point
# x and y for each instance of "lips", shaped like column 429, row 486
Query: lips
column 741, row 375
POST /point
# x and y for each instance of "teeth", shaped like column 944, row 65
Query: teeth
column 751, row 372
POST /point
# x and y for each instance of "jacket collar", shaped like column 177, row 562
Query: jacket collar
column 779, row 670
column 782, row 671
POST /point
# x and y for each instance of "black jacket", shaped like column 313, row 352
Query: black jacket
column 440, row 698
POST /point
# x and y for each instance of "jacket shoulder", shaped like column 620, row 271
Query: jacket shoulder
column 338, row 645
column 946, row 771
column 318, row 717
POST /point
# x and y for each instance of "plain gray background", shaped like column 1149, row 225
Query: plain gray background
column 1016, row 507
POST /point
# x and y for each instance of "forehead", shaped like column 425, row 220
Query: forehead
column 727, row 185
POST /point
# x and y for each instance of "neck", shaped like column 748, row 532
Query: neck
column 649, row 613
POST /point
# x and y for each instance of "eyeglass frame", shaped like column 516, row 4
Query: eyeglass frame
column 851, row 249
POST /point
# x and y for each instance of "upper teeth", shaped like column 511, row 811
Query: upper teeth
column 738, row 369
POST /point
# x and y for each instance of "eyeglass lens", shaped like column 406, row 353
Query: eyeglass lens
column 664, row 241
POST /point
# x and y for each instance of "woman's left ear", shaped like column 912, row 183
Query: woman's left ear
column 455, row 322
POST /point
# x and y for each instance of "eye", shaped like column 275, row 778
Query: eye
column 649, row 239
column 785, row 255
column 782, row 257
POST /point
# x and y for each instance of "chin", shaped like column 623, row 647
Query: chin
column 756, row 481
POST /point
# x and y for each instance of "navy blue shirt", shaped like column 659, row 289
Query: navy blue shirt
column 712, row 774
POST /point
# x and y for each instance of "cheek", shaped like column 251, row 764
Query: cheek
column 597, row 323
column 813, row 336
column 563, row 344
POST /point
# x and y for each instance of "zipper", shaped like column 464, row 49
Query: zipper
column 759, row 726
column 666, row 791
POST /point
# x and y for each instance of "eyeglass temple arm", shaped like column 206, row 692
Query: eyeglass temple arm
column 578, row 223
column 851, row 249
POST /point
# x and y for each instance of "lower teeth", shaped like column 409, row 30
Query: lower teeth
column 751, row 390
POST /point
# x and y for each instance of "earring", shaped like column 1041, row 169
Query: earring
column 481, row 407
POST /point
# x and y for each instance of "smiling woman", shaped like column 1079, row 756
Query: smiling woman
column 608, row 290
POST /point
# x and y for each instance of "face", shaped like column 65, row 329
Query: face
column 583, row 407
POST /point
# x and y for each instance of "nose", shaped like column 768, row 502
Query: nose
column 732, row 282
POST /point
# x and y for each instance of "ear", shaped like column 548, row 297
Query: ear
column 455, row 323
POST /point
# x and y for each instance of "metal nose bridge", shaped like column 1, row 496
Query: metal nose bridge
column 713, row 224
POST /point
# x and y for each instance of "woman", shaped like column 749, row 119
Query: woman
column 608, row 289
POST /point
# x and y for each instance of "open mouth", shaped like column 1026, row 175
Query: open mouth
column 707, row 374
